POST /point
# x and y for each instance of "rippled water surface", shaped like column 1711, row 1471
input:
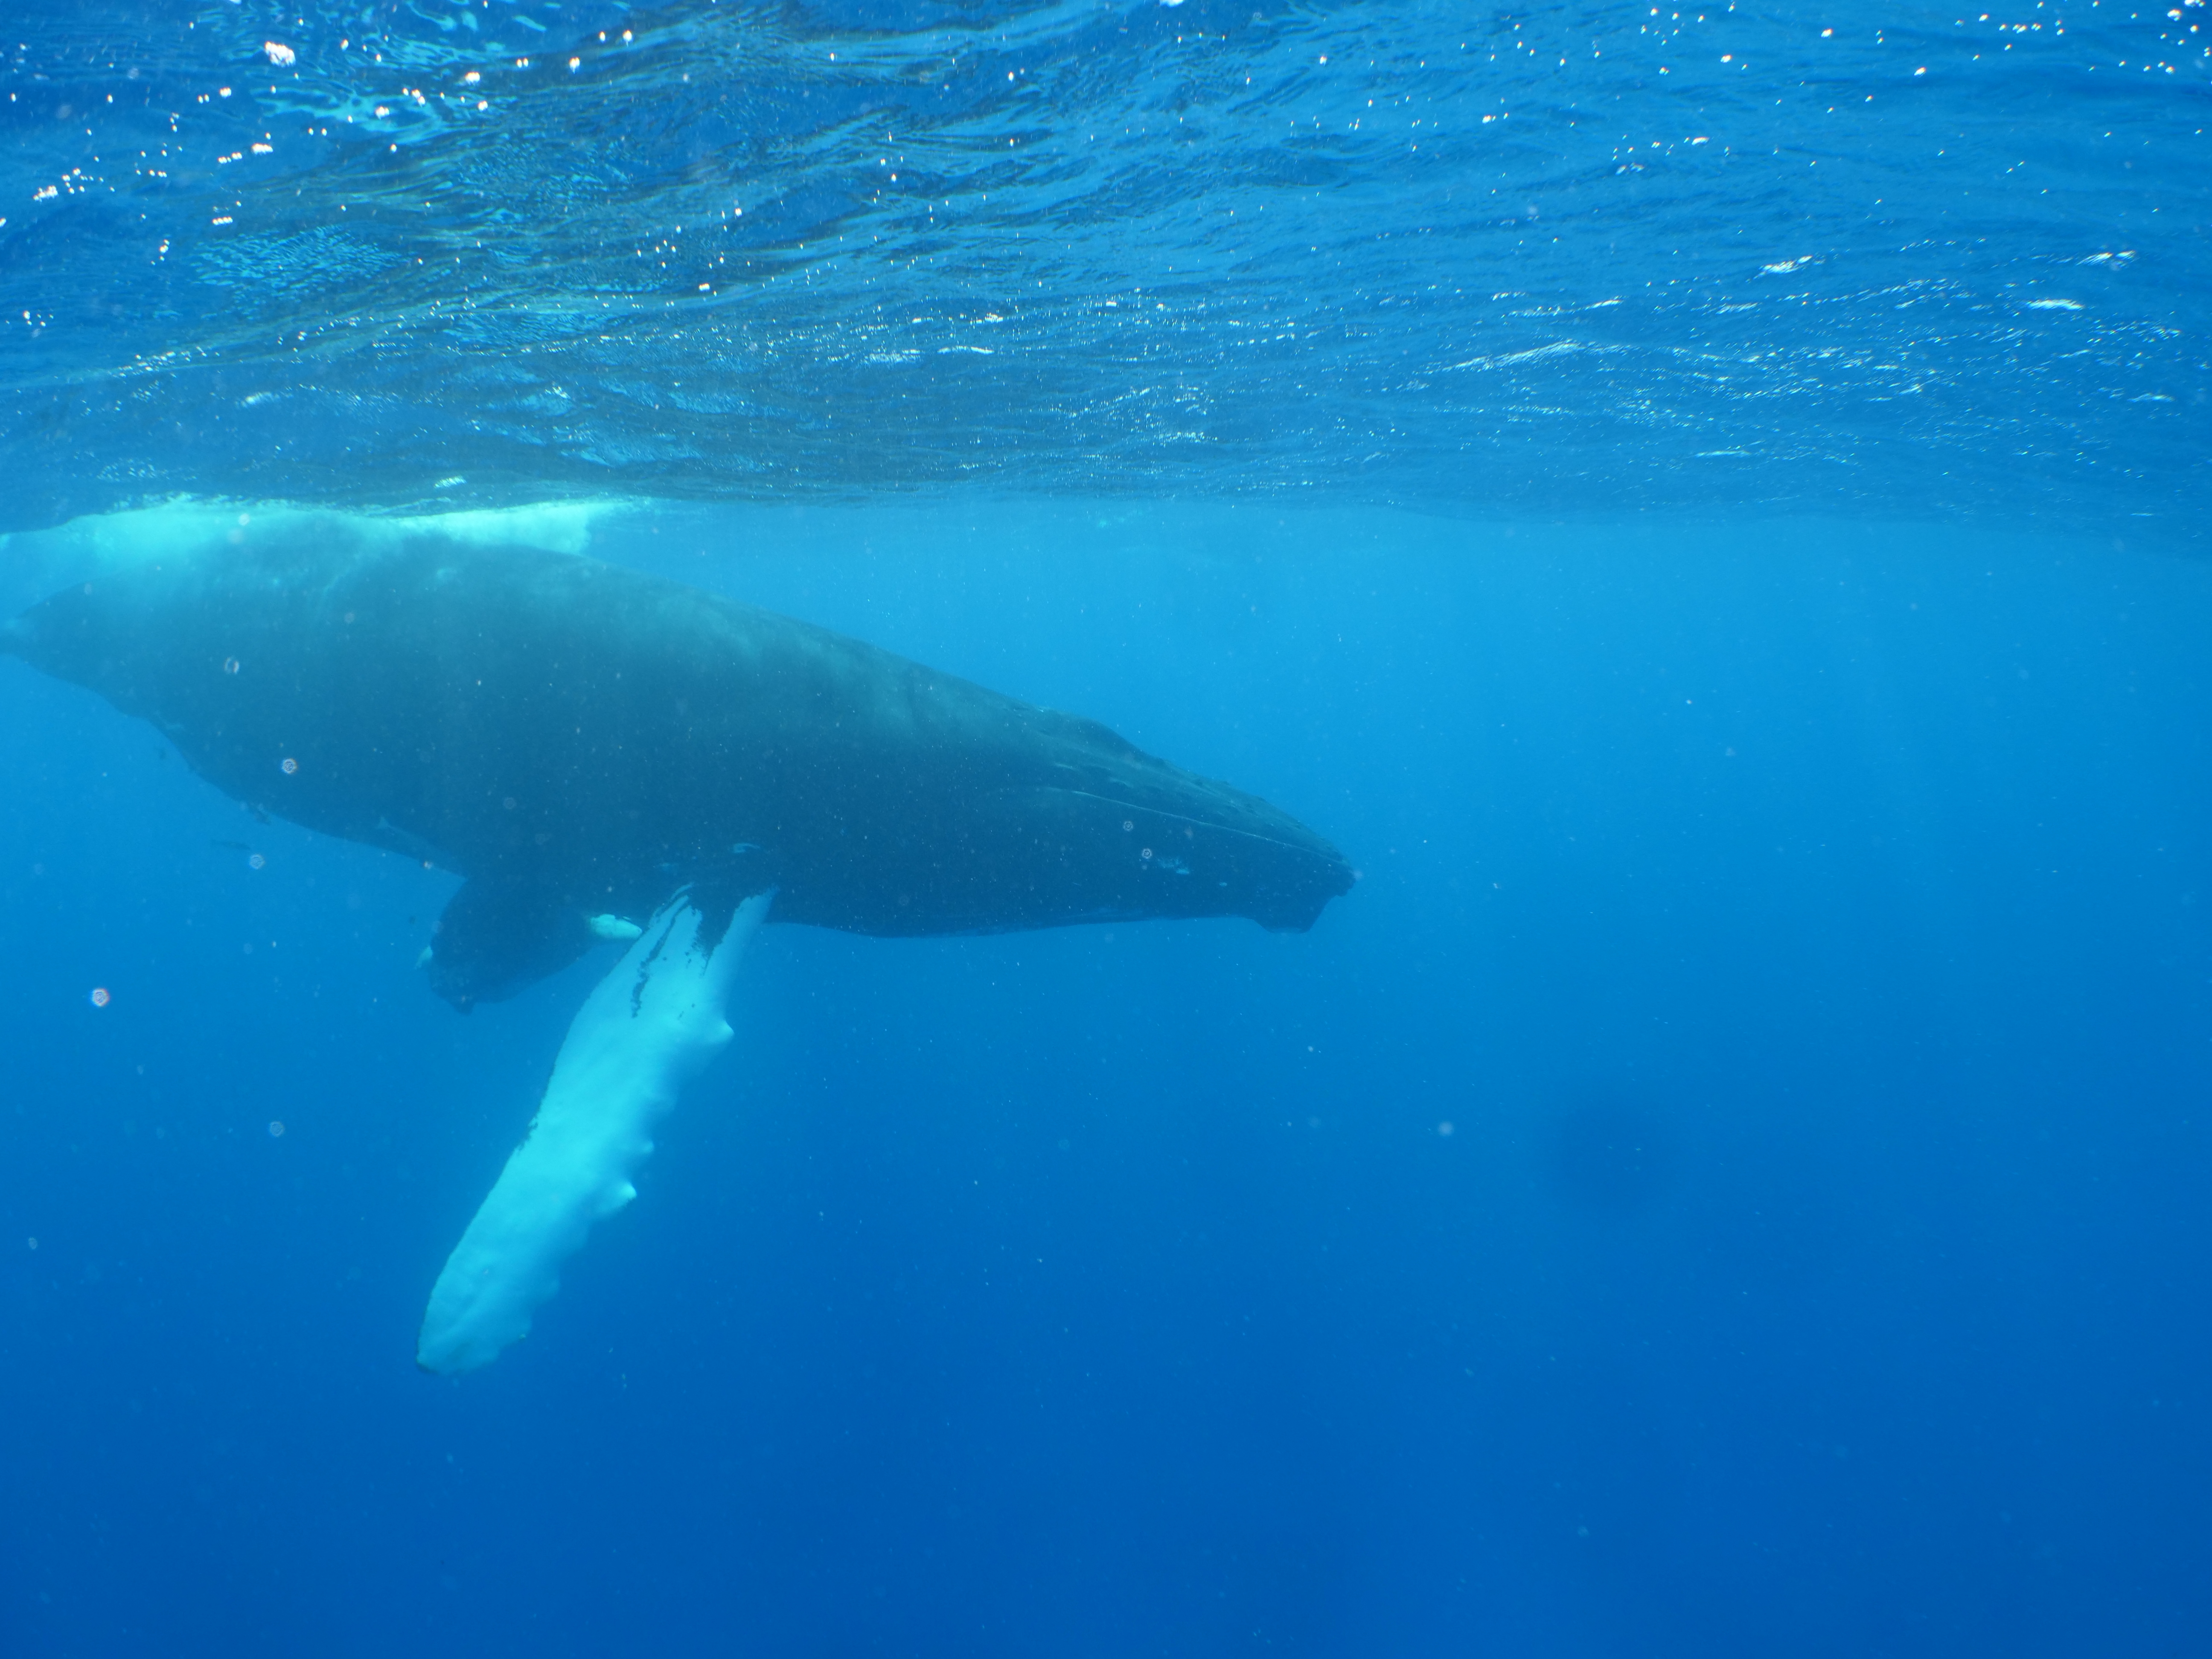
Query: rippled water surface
column 1900, row 260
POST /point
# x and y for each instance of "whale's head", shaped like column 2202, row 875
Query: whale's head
column 1199, row 849
column 1059, row 821
column 1119, row 833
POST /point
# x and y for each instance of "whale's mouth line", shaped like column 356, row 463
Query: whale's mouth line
column 1203, row 824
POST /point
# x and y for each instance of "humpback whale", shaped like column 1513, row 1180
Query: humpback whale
column 601, row 754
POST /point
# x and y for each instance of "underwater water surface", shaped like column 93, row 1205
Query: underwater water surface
column 1702, row 508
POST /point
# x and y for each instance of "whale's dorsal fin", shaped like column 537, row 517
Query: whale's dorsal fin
column 650, row 1024
column 498, row 937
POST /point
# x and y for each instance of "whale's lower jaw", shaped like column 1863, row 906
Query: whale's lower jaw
column 649, row 1026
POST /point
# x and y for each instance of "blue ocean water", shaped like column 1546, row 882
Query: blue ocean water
column 1702, row 507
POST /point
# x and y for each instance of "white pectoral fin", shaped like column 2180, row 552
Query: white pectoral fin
column 646, row 1029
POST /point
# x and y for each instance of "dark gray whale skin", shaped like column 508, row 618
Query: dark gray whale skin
column 575, row 738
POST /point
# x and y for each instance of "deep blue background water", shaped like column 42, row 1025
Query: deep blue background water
column 1800, row 926
column 1739, row 602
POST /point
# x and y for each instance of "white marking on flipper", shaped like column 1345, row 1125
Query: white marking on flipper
column 647, row 1029
column 614, row 927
